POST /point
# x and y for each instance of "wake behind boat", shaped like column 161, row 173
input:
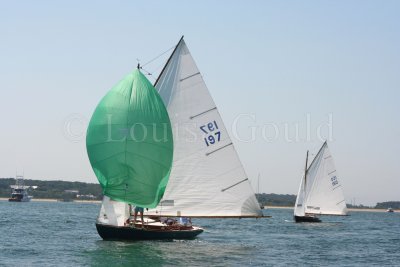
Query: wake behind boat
column 320, row 192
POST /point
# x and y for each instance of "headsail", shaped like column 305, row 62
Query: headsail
column 129, row 143
column 299, row 205
column 207, row 177
column 323, row 192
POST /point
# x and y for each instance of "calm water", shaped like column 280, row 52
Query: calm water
column 64, row 234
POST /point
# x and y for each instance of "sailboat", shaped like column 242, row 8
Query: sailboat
column 320, row 192
column 130, row 147
column 207, row 177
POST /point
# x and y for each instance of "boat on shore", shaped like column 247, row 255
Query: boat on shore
column 389, row 210
column 19, row 191
column 320, row 192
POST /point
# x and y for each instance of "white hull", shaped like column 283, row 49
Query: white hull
column 24, row 199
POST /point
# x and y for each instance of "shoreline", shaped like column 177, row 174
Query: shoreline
column 348, row 209
column 57, row 200
column 265, row 207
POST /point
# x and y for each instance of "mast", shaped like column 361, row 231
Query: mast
column 319, row 151
column 306, row 168
column 305, row 173
column 169, row 59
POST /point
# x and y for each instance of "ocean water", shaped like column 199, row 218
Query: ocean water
column 64, row 234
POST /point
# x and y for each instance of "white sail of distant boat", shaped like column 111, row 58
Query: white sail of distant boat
column 320, row 192
column 207, row 177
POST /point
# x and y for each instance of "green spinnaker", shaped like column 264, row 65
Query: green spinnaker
column 129, row 142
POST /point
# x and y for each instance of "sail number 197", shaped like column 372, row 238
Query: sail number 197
column 213, row 134
column 334, row 181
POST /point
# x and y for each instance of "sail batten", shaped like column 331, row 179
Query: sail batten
column 204, row 112
column 204, row 177
column 209, row 153
column 235, row 184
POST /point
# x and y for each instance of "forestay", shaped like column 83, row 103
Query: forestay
column 207, row 178
column 322, row 193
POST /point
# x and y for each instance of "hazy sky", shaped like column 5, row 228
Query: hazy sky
column 271, row 66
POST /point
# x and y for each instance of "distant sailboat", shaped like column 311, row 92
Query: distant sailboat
column 320, row 192
column 207, row 177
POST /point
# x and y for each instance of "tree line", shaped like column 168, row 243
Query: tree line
column 64, row 190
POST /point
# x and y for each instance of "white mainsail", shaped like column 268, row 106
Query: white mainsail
column 320, row 191
column 207, row 178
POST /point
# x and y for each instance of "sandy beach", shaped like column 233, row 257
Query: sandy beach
column 265, row 207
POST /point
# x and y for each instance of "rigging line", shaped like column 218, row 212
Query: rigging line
column 156, row 69
column 160, row 55
column 319, row 151
column 148, row 72
column 169, row 59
